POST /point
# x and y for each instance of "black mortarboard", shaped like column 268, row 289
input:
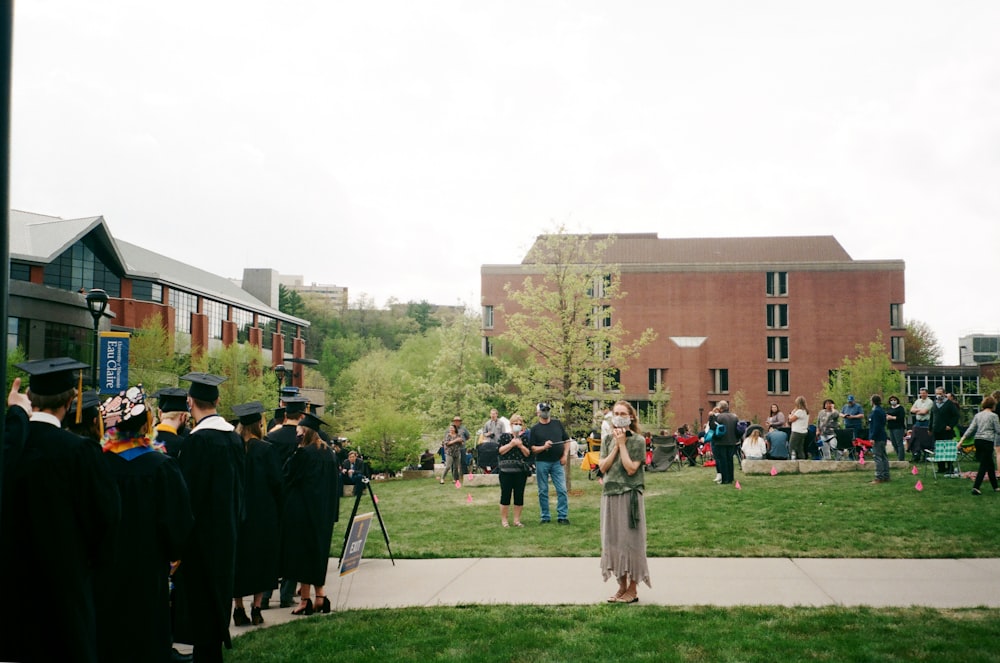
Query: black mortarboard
column 249, row 413
column 127, row 410
column 172, row 399
column 289, row 392
column 295, row 405
column 204, row 386
column 279, row 413
column 313, row 407
column 311, row 421
column 50, row 377
column 90, row 399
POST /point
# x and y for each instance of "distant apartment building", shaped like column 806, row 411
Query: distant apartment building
column 975, row 349
column 769, row 317
column 54, row 261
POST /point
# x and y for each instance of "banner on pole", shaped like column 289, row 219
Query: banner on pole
column 112, row 364
column 356, row 543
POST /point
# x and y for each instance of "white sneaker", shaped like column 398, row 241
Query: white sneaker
column 718, row 477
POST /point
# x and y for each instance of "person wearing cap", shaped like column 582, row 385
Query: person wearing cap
column 854, row 416
column 89, row 424
column 284, row 438
column 257, row 551
column 548, row 443
column 57, row 480
column 173, row 415
column 132, row 593
column 212, row 462
column 311, row 507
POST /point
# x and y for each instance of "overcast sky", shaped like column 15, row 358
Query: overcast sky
column 395, row 146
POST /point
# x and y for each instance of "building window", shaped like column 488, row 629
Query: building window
column 184, row 304
column 216, row 313
column 657, row 378
column 487, row 346
column 777, row 381
column 777, row 284
column 777, row 348
column 896, row 316
column 20, row 272
column 67, row 341
column 613, row 380
column 147, row 291
column 898, row 349
column 290, row 334
column 488, row 316
column 602, row 317
column 720, row 380
column 17, row 335
column 985, row 349
column 267, row 327
column 244, row 321
column 600, row 286
column 777, row 316
column 78, row 267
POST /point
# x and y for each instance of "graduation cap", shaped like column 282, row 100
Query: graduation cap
column 295, row 405
column 204, row 386
column 90, row 399
column 172, row 399
column 313, row 407
column 126, row 411
column 289, row 392
column 311, row 421
column 249, row 413
column 279, row 413
column 50, row 377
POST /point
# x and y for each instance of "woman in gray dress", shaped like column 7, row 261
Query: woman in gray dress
column 623, row 512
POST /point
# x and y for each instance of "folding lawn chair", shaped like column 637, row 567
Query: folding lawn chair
column 665, row 453
column 945, row 451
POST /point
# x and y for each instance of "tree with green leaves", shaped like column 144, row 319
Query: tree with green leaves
column 561, row 316
column 152, row 361
column 247, row 380
column 290, row 302
column 922, row 346
column 868, row 372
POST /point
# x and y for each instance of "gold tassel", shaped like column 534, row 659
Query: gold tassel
column 79, row 397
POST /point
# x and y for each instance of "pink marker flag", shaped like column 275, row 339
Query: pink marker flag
column 774, row 471
column 468, row 498
column 861, row 458
column 914, row 471
column 458, row 484
column 738, row 486
column 375, row 497
column 920, row 485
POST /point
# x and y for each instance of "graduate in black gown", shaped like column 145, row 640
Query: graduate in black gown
column 85, row 421
column 173, row 415
column 62, row 509
column 133, row 602
column 257, row 543
column 312, row 504
column 212, row 463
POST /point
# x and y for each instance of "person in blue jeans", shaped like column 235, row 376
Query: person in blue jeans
column 548, row 444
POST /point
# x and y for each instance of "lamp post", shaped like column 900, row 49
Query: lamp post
column 701, row 413
column 279, row 372
column 97, row 304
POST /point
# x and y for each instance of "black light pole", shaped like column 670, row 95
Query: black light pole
column 279, row 372
column 97, row 303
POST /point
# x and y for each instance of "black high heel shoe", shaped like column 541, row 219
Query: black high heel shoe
column 307, row 610
column 322, row 604
column 255, row 617
column 240, row 617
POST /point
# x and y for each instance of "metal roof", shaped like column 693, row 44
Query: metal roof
column 40, row 239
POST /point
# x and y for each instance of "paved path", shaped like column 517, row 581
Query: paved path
column 679, row 581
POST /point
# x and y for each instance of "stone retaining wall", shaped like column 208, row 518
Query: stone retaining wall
column 816, row 466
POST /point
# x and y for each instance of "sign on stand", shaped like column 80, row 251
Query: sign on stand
column 112, row 365
column 355, row 545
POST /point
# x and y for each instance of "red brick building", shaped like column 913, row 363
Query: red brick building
column 768, row 316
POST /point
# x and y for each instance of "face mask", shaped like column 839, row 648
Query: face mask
column 939, row 398
column 894, row 403
column 620, row 422
column 516, row 428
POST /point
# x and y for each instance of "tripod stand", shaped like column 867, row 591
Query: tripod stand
column 365, row 488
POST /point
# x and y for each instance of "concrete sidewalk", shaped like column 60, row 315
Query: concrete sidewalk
column 677, row 581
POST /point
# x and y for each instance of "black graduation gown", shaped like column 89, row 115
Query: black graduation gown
column 133, row 602
column 257, row 550
column 285, row 441
column 173, row 442
column 65, row 509
column 312, row 504
column 212, row 464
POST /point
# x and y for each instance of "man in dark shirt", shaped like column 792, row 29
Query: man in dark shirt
column 548, row 443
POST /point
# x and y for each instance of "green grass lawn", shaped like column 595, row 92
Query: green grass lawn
column 578, row 634
column 795, row 515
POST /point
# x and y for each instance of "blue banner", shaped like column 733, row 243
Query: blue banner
column 112, row 364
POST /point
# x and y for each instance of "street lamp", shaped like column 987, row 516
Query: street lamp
column 97, row 304
column 279, row 372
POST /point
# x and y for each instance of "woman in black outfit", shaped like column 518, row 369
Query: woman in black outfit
column 256, row 546
column 312, row 502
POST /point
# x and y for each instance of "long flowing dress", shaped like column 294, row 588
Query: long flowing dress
column 133, row 599
column 623, row 515
column 312, row 503
column 258, row 544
